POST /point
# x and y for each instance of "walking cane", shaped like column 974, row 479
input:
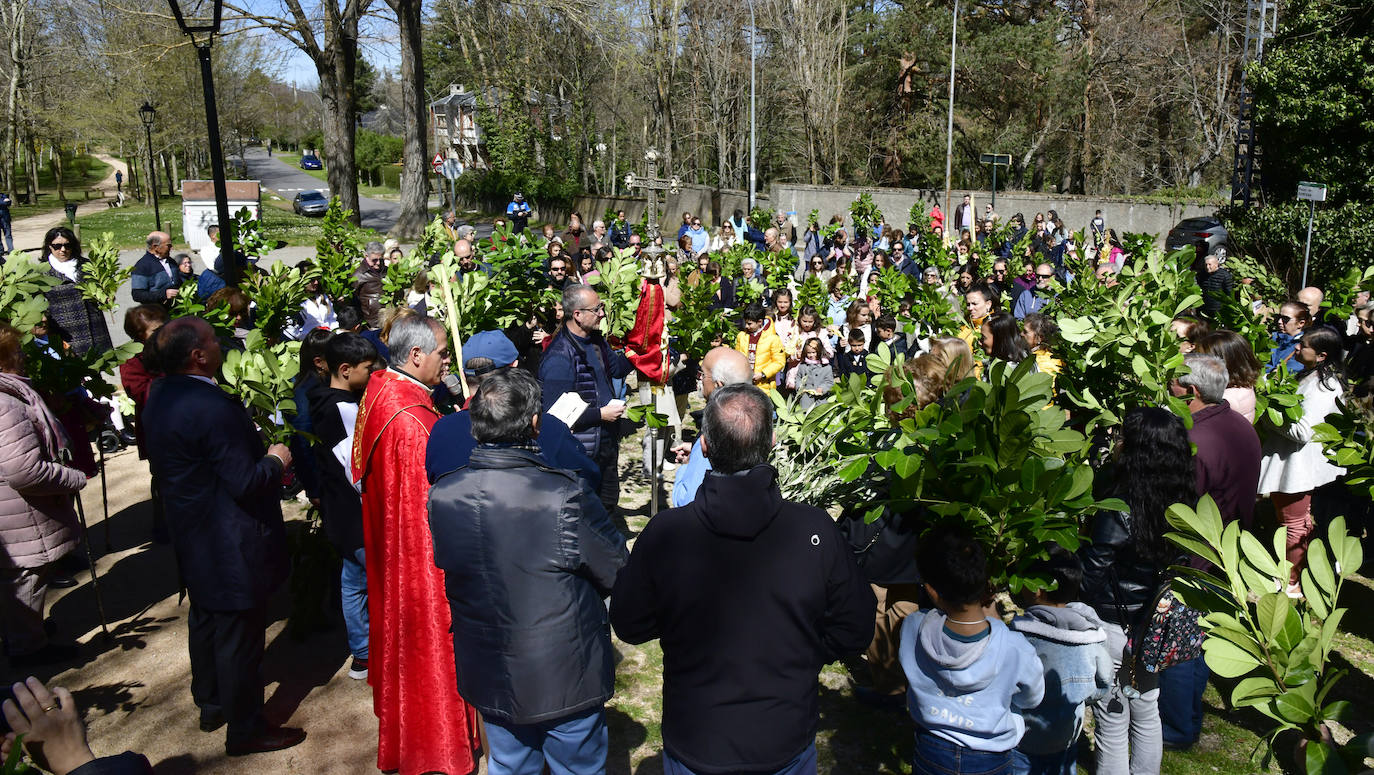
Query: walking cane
column 104, row 499
column 90, row 557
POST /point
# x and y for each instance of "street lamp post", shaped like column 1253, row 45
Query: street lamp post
column 146, row 114
column 949, row 131
column 201, row 27
column 753, row 136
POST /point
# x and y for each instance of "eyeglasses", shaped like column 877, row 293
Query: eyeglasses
column 1045, row 276
column 558, row 269
column 60, row 245
column 1284, row 319
column 599, row 309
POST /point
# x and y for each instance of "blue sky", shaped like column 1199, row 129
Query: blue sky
column 379, row 44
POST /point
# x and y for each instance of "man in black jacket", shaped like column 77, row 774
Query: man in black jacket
column 749, row 595
column 528, row 555
column 222, row 493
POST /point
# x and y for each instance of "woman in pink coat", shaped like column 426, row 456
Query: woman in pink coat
column 38, row 523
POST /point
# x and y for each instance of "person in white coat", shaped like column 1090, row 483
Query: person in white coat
column 1294, row 464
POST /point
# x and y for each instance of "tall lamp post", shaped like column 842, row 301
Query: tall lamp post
column 753, row 140
column 201, row 22
column 146, row 114
column 949, row 131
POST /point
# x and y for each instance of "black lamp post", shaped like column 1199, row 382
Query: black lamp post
column 201, row 20
column 146, row 114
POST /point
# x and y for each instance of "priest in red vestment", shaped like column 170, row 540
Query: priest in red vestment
column 424, row 726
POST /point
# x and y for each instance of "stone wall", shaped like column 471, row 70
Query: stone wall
column 1076, row 211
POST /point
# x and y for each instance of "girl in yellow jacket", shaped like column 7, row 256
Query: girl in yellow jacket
column 761, row 345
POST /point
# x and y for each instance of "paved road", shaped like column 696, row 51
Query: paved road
column 287, row 180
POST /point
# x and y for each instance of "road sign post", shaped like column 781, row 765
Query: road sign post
column 451, row 169
column 996, row 160
column 1313, row 193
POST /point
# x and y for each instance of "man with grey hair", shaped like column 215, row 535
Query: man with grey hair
column 367, row 284
column 154, row 279
column 410, row 656
column 1228, row 469
column 579, row 361
column 750, row 595
column 722, row 366
column 528, row 555
column 1228, row 449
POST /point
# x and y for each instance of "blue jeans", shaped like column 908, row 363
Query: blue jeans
column 1063, row 763
column 575, row 745
column 804, row 764
column 353, row 593
column 1180, row 701
column 938, row 756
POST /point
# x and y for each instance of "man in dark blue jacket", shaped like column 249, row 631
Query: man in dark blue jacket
column 451, row 442
column 222, row 492
column 154, row 279
column 579, row 361
column 528, row 555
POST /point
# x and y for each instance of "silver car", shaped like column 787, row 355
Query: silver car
column 310, row 203
column 1207, row 236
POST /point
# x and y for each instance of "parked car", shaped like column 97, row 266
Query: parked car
column 1206, row 234
column 311, row 163
column 310, row 203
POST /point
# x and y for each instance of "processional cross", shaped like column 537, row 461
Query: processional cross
column 650, row 393
column 653, row 184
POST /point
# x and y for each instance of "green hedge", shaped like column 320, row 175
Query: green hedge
column 479, row 185
column 1276, row 234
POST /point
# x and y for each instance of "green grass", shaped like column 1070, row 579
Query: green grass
column 74, row 183
column 132, row 223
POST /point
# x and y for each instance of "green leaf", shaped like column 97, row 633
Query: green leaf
column 1253, row 690
column 1226, row 659
column 1295, row 708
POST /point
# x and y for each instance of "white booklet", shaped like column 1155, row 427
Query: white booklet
column 568, row 408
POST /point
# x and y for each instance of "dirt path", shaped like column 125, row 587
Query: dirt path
column 29, row 231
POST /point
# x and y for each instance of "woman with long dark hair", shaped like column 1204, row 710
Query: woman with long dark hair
column 73, row 319
column 1294, row 464
column 1124, row 565
column 1002, row 338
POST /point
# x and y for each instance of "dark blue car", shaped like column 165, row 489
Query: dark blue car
column 311, row 163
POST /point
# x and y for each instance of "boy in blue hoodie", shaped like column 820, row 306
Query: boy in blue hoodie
column 969, row 677
column 1072, row 646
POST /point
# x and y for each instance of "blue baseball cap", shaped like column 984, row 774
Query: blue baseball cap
column 489, row 344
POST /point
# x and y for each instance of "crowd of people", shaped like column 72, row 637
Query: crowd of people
column 483, row 565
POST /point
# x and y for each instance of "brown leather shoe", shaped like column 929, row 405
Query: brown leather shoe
column 268, row 739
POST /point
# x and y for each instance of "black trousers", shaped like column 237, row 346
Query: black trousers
column 226, row 665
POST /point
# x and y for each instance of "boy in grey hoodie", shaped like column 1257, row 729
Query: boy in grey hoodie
column 1069, row 639
column 969, row 677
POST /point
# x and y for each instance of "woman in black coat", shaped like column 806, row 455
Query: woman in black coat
column 71, row 317
column 1125, row 564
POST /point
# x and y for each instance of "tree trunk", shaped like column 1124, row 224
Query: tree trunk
column 410, row 223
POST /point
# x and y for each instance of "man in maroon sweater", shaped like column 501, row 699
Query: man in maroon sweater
column 1228, row 469
column 1228, row 449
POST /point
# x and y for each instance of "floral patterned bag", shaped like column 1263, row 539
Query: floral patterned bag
column 1166, row 634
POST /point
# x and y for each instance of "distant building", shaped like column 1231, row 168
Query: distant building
column 453, row 119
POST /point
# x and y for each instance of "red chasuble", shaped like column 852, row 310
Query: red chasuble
column 424, row 725
column 644, row 344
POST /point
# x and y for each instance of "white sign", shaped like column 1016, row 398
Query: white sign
column 451, row 169
column 1311, row 192
column 437, row 161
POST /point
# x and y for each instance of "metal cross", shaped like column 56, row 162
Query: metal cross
column 653, row 184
